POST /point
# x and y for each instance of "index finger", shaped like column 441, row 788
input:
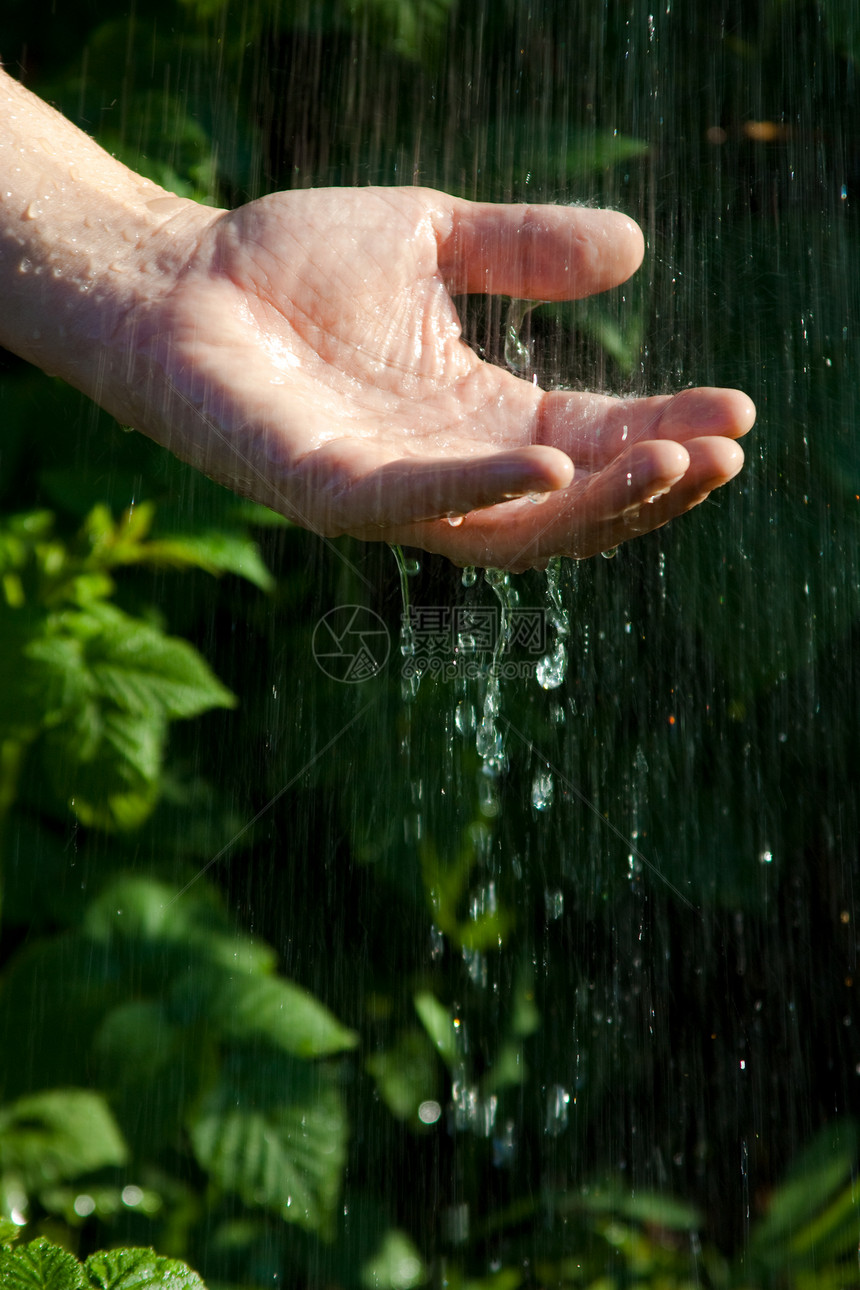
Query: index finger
column 535, row 252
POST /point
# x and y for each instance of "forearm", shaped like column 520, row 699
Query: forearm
column 83, row 241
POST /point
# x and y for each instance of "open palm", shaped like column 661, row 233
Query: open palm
column 313, row 361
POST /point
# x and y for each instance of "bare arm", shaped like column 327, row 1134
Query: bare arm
column 305, row 350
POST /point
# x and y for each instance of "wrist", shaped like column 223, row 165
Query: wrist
column 85, row 244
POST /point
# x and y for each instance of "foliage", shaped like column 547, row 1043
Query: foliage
column 88, row 687
column 40, row 1266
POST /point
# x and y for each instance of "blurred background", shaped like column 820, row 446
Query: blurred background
column 491, row 987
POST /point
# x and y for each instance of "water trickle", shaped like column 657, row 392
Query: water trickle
column 517, row 353
column 551, row 670
column 410, row 676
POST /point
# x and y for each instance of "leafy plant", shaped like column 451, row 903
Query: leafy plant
column 88, row 687
column 42, row 1266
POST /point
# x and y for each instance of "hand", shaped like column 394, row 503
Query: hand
column 310, row 357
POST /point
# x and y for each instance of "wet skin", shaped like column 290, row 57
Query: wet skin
column 306, row 351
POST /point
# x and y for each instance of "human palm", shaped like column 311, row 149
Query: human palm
column 314, row 362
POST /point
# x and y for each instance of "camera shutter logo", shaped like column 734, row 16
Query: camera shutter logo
column 351, row 643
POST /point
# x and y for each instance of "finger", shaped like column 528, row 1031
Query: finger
column 358, row 493
column 578, row 521
column 536, row 252
column 713, row 462
column 595, row 428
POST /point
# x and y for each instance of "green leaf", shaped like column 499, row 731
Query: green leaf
column 645, row 1207
column 437, row 1021
column 47, row 1137
column 397, row 1265
column 274, row 1130
column 107, row 765
column 139, row 669
column 139, row 1270
column 215, row 552
column 591, row 153
column 406, row 1074
column 248, row 1007
column 145, row 910
column 9, row 1231
column 40, row 1266
column 136, row 1045
column 811, row 1206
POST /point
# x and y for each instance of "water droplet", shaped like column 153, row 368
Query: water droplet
column 557, row 1103
column 553, row 904
column 542, row 790
column 455, row 520
column 469, row 576
column 25, row 266
column 551, row 669
column 610, row 554
column 464, row 717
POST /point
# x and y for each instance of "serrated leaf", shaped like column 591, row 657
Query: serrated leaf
column 138, row 1269
column 275, row 1131
column 41, row 676
column 40, row 1266
column 140, row 669
column 60, row 1134
column 214, row 552
column 248, row 1007
column 9, row 1231
column 107, row 764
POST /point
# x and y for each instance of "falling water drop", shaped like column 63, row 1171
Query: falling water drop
column 542, row 790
